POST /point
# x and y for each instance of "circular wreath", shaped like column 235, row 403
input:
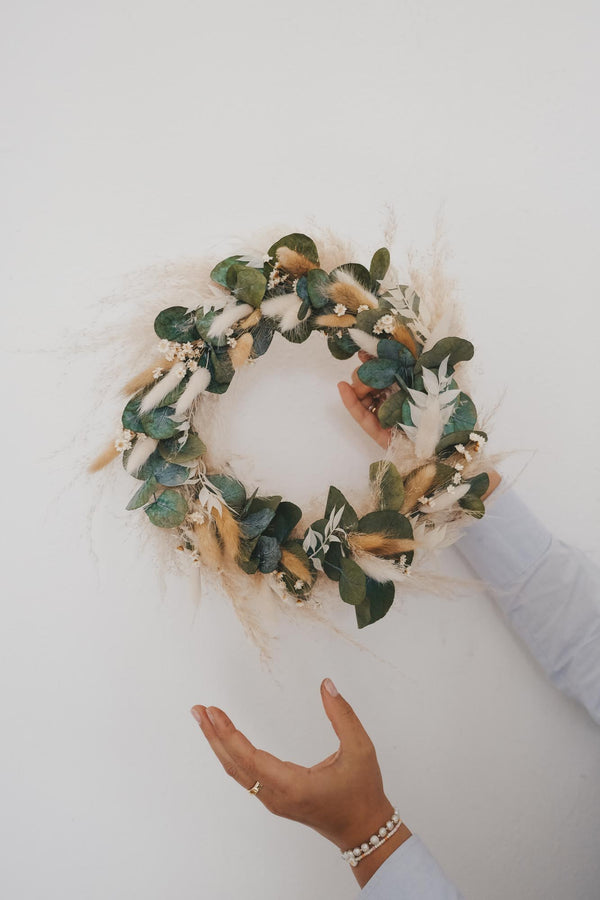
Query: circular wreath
column 430, row 480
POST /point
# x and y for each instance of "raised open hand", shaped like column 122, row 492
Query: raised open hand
column 341, row 797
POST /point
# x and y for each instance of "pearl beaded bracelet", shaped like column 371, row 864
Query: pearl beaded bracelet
column 376, row 840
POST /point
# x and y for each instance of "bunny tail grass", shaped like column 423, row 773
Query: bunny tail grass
column 198, row 383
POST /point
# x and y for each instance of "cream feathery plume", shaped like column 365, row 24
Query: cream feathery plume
column 416, row 485
column 285, row 308
column 146, row 377
column 295, row 566
column 294, row 262
column 240, row 354
column 379, row 543
column 379, row 569
column 104, row 458
column 333, row 321
column 350, row 292
column 227, row 318
column 198, row 383
column 163, row 387
column 143, row 448
column 365, row 341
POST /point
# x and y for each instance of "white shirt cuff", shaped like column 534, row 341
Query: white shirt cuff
column 410, row 873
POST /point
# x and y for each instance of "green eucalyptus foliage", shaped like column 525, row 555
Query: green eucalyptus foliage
column 335, row 498
column 390, row 484
column 192, row 448
column 219, row 273
column 473, row 505
column 232, row 491
column 144, row 495
column 458, row 349
column 166, row 473
column 169, row 510
column 341, row 346
column 176, row 324
column 378, row 373
column 158, row 422
column 464, row 415
column 317, row 284
column 390, row 411
column 380, row 264
column 298, row 242
column 352, row 583
column 250, row 286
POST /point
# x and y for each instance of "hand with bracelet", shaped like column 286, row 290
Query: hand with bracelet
column 341, row 797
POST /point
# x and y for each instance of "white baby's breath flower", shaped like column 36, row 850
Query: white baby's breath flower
column 192, row 365
column 157, row 372
column 362, row 308
column 457, row 478
column 179, row 370
column 339, row 309
column 180, row 354
column 424, row 500
column 170, row 354
column 298, row 585
column 339, row 333
column 198, row 516
column 462, row 449
column 451, row 488
column 478, row 439
column 164, row 346
column 231, row 342
column 459, row 466
column 384, row 324
column 188, row 348
column 124, row 440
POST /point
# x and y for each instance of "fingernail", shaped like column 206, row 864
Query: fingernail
column 212, row 717
column 197, row 714
column 330, row 687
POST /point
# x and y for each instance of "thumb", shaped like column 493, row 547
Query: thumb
column 344, row 720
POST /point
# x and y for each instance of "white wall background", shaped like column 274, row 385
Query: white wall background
column 136, row 132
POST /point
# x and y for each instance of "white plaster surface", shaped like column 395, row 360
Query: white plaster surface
column 134, row 133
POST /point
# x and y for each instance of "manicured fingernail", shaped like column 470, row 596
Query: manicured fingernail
column 212, row 717
column 330, row 687
column 197, row 714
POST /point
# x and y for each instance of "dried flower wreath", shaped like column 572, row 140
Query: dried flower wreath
column 435, row 481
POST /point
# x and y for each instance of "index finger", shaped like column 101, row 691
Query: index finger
column 262, row 766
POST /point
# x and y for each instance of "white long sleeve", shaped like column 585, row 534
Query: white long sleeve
column 550, row 593
column 410, row 873
column 548, row 590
